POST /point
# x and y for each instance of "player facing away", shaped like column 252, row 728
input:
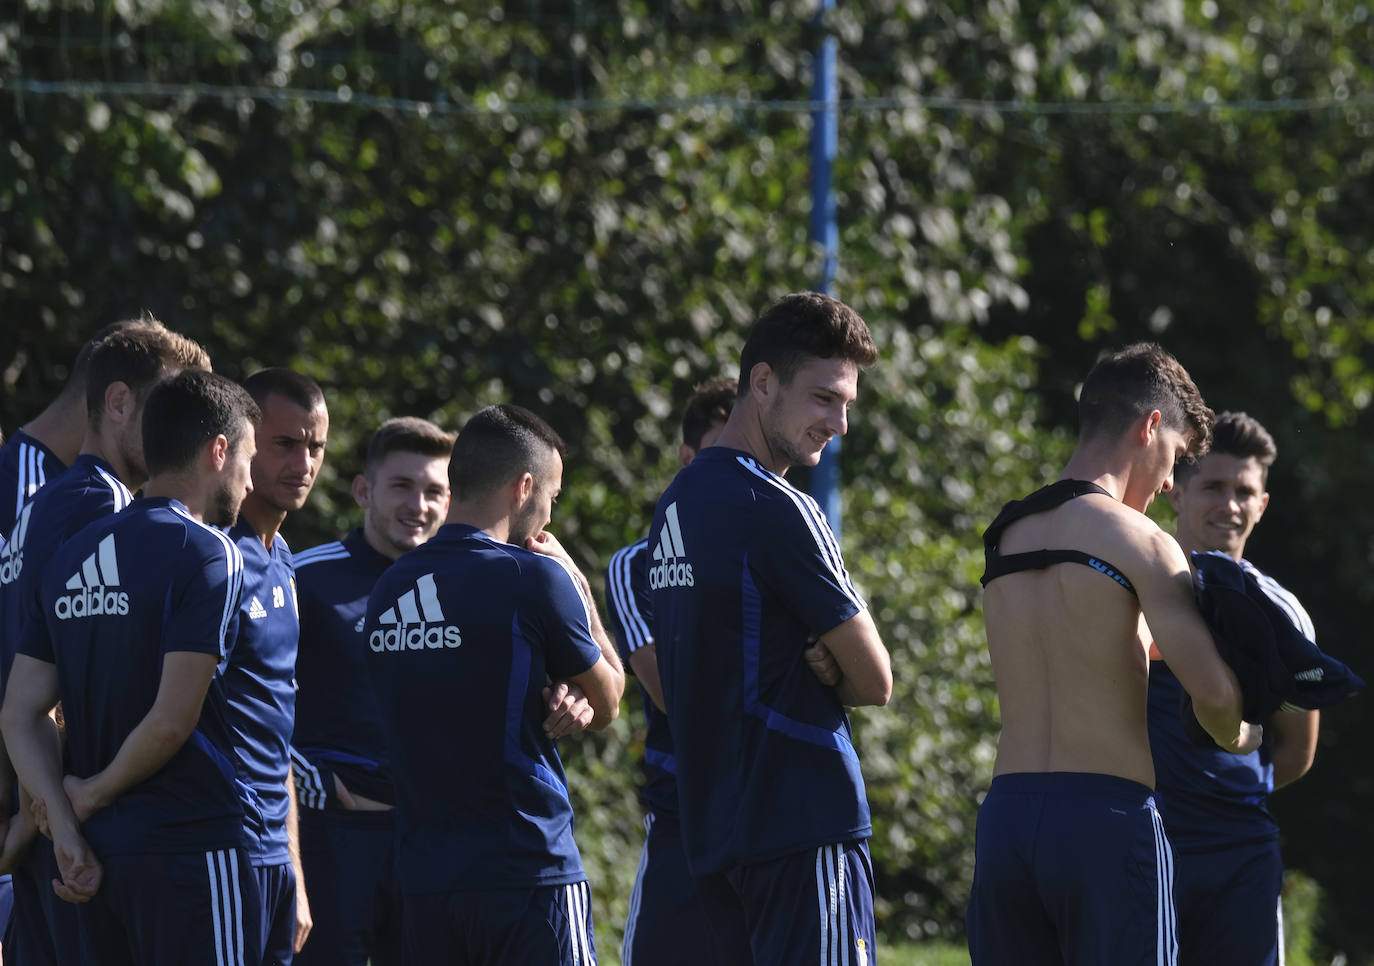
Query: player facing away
column 744, row 573
column 467, row 638
column 262, row 691
column 36, row 452
column 1227, row 867
column 45, row 445
column 343, row 783
column 121, row 369
column 131, row 630
column 666, row 925
column 1071, row 861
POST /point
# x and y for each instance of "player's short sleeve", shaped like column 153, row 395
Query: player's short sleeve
column 798, row 558
column 627, row 599
column 203, row 602
column 35, row 640
column 560, row 618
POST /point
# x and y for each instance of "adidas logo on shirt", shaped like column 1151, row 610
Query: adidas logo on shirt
column 94, row 598
column 256, row 611
column 672, row 570
column 415, row 622
column 12, row 554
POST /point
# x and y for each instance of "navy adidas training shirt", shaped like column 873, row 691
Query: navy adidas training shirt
column 463, row 633
column 743, row 570
column 114, row 600
column 25, row 466
column 261, row 682
column 338, row 725
column 627, row 595
column 1209, row 797
column 87, row 491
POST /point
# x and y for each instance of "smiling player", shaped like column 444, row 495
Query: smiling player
column 744, row 573
column 1228, row 870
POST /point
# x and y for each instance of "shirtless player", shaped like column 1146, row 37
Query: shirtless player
column 1072, row 863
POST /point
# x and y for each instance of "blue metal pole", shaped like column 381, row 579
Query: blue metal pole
column 825, row 479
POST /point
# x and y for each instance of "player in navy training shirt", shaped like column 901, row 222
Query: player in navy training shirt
column 666, row 924
column 1227, row 866
column 262, row 689
column 131, row 629
column 343, row 785
column 121, row 369
column 468, row 635
column 46, row 444
column 1071, row 860
column 35, row 453
column 744, row 574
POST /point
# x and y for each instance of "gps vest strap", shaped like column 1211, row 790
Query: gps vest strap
column 1046, row 498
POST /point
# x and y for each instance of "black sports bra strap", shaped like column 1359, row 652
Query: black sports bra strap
column 1046, row 498
column 1002, row 565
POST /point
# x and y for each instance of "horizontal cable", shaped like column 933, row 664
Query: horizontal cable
column 495, row 106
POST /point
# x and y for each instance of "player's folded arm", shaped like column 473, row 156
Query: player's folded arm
column 863, row 661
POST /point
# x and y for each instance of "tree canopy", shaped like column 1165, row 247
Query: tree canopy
column 429, row 207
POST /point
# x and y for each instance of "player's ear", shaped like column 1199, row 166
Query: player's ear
column 217, row 452
column 522, row 488
column 362, row 490
column 762, row 379
column 1263, row 505
column 1147, row 426
column 120, row 401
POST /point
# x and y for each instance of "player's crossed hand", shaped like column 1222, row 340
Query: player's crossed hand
column 822, row 663
column 80, row 870
column 569, row 709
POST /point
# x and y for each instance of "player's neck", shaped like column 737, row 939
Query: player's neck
column 380, row 546
column 744, row 431
column 1101, row 465
column 96, row 445
column 179, row 487
column 494, row 522
column 265, row 519
column 60, row 427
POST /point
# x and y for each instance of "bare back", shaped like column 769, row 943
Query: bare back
column 1067, row 645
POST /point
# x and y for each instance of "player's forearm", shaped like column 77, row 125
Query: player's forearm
column 608, row 652
column 644, row 664
column 35, row 754
column 293, row 834
column 1293, row 745
column 143, row 754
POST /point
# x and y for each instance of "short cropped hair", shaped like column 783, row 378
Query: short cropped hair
column 406, row 434
column 287, row 383
column 710, row 404
column 1136, row 380
column 1238, row 435
column 804, row 326
column 187, row 411
column 75, row 386
column 497, row 445
column 137, row 353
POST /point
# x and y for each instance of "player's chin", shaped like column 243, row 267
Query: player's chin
column 408, row 537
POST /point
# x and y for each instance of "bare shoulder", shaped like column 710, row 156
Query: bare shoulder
column 1129, row 539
